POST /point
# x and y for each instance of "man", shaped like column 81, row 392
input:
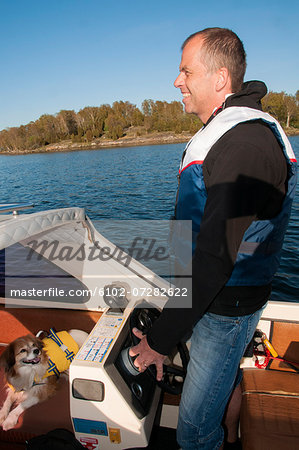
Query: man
column 237, row 180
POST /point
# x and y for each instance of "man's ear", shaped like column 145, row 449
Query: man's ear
column 223, row 79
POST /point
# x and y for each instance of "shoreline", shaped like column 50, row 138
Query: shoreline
column 158, row 138
column 102, row 143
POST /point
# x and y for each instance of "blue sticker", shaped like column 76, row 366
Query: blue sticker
column 90, row 427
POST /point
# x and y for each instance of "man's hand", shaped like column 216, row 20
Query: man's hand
column 146, row 355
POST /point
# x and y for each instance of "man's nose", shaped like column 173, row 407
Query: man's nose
column 179, row 81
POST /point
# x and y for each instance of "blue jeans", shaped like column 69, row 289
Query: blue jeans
column 217, row 346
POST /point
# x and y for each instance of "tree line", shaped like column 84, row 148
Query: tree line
column 114, row 122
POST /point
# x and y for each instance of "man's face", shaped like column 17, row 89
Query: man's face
column 195, row 82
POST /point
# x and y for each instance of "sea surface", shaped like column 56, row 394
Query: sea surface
column 123, row 183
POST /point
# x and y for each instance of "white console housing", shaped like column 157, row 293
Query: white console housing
column 108, row 409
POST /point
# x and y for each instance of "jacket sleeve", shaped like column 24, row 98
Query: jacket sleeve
column 242, row 181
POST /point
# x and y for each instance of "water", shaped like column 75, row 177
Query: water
column 122, row 183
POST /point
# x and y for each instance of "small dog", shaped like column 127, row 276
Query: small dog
column 28, row 363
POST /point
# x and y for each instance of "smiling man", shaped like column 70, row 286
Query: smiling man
column 237, row 182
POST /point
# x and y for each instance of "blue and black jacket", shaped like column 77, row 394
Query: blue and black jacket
column 237, row 182
column 258, row 254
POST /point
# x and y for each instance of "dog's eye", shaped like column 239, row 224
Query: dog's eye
column 23, row 350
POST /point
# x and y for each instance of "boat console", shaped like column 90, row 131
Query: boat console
column 111, row 402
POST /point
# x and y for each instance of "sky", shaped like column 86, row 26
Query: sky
column 68, row 54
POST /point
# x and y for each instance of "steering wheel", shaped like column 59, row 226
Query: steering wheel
column 143, row 318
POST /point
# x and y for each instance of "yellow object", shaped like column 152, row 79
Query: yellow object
column 270, row 348
column 60, row 355
column 114, row 435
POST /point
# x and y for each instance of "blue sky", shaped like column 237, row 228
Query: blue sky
column 68, row 54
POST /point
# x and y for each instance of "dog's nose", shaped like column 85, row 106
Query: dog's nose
column 36, row 351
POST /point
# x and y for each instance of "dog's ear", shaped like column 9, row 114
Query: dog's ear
column 39, row 343
column 7, row 359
